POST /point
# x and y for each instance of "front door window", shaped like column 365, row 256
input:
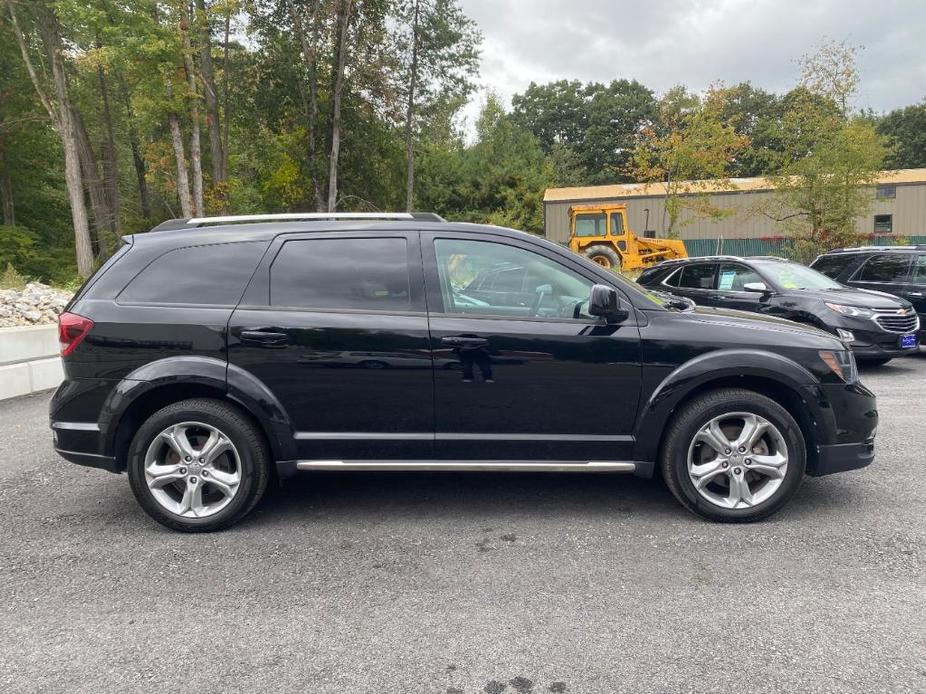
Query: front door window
column 479, row 277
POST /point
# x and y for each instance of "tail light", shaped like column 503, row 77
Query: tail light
column 72, row 329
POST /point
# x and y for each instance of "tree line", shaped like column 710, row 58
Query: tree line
column 115, row 115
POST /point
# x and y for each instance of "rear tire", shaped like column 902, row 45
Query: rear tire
column 603, row 255
column 750, row 477
column 198, row 465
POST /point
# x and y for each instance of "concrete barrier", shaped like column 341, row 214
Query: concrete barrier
column 29, row 360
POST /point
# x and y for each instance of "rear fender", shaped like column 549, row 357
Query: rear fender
column 234, row 383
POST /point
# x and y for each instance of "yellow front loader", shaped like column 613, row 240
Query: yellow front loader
column 601, row 233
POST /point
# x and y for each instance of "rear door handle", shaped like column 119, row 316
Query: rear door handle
column 460, row 341
column 263, row 337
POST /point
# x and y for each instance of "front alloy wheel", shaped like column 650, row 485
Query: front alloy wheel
column 733, row 455
column 737, row 460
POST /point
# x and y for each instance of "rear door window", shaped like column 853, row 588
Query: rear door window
column 698, row 276
column 369, row 274
column 209, row 275
column 891, row 267
column 919, row 270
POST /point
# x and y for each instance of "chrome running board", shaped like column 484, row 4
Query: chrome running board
column 468, row 465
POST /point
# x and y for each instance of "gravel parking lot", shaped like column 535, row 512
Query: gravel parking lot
column 453, row 583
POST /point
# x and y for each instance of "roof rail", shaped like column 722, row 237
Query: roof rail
column 174, row 224
column 895, row 247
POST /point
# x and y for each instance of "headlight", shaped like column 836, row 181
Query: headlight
column 841, row 363
column 852, row 311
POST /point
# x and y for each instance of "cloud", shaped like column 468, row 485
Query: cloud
column 662, row 43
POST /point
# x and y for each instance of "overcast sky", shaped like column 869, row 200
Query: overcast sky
column 696, row 42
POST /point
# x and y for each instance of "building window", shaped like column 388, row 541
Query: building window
column 886, row 192
column 884, row 223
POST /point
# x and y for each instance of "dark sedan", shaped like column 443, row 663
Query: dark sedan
column 877, row 326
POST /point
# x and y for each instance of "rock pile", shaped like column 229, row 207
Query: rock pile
column 36, row 304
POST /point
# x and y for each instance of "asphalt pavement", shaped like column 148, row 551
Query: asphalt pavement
column 452, row 583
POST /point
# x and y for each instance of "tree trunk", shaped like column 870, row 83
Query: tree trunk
column 212, row 105
column 60, row 114
column 225, row 70
column 410, row 117
column 196, row 163
column 137, row 159
column 183, row 182
column 110, row 166
column 93, row 183
column 6, row 193
column 337, row 81
column 309, row 54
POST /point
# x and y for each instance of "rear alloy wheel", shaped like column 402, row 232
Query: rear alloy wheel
column 603, row 255
column 734, row 455
column 198, row 465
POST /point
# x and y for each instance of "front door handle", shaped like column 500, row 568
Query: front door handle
column 462, row 341
column 917, row 295
column 263, row 337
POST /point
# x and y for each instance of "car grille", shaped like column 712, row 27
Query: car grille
column 893, row 320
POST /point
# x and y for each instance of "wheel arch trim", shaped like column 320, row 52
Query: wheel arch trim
column 226, row 381
column 724, row 367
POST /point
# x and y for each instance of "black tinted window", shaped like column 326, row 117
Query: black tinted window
column 700, row 276
column 832, row 265
column 367, row 274
column 885, row 268
column 919, row 270
column 212, row 275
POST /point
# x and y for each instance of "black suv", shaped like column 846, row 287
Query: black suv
column 898, row 270
column 209, row 356
column 876, row 326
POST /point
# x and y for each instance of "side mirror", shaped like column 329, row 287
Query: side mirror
column 757, row 287
column 605, row 303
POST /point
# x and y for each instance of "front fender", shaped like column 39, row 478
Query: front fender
column 235, row 383
column 719, row 366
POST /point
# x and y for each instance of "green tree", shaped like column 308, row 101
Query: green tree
column 597, row 122
column 905, row 129
column 440, row 57
column 690, row 150
column 829, row 158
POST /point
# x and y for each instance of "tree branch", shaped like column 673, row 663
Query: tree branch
column 30, row 68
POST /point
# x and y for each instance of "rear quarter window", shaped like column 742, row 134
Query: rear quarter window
column 208, row 275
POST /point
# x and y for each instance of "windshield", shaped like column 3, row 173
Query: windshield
column 794, row 276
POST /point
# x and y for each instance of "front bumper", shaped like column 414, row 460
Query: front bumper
column 841, row 457
column 878, row 345
column 871, row 342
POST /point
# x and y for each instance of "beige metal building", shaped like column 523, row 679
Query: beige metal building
column 899, row 208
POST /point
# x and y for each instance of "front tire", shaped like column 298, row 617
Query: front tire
column 198, row 465
column 603, row 255
column 733, row 455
